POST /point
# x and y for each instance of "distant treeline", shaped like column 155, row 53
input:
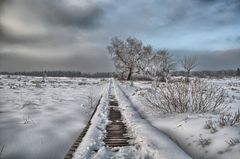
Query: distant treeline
column 206, row 73
column 61, row 74
column 218, row 74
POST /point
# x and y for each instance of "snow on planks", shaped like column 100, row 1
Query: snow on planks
column 117, row 135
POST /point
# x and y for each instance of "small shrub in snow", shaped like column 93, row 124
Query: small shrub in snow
column 27, row 120
column 1, row 152
column 204, row 141
column 92, row 100
column 208, row 124
column 196, row 96
column 131, row 83
column 229, row 119
column 233, row 142
column 82, row 83
column 103, row 80
column 211, row 126
column 83, row 79
column 38, row 85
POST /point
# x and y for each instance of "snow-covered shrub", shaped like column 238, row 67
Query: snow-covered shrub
column 82, row 83
column 103, row 80
column 131, row 83
column 92, row 100
column 211, row 126
column 204, row 141
column 27, row 120
column 233, row 142
column 229, row 119
column 181, row 97
column 38, row 85
column 1, row 152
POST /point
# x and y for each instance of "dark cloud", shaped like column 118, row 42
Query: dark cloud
column 55, row 17
column 3, row 2
column 57, row 12
column 78, row 31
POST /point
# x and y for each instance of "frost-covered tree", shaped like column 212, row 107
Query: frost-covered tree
column 129, row 56
column 160, row 64
column 189, row 63
column 44, row 75
column 238, row 71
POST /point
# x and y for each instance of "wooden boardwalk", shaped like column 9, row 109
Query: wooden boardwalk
column 117, row 135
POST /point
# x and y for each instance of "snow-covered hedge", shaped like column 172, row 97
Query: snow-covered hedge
column 181, row 97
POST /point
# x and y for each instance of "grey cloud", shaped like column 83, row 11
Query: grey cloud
column 63, row 24
column 207, row 1
column 3, row 2
column 59, row 13
column 14, row 62
column 6, row 38
column 212, row 60
column 79, row 33
column 228, row 59
column 234, row 39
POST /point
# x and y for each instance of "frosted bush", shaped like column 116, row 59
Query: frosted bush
column 229, row 119
column 196, row 96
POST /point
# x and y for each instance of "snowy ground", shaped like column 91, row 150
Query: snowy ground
column 187, row 130
column 147, row 141
column 42, row 120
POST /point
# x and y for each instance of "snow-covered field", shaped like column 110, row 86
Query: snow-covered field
column 148, row 142
column 42, row 120
column 189, row 130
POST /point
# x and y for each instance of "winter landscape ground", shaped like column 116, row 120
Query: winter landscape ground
column 109, row 79
column 42, row 120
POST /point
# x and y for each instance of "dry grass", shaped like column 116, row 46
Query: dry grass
column 196, row 96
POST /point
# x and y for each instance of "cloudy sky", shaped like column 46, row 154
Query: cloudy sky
column 73, row 34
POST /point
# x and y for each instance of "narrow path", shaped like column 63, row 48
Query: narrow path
column 117, row 134
column 75, row 145
column 116, row 139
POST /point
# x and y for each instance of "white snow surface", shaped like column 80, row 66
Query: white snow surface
column 92, row 145
column 92, row 141
column 147, row 142
column 187, row 129
column 151, row 141
column 42, row 120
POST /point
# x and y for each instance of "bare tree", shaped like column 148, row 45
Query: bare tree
column 189, row 63
column 238, row 71
column 160, row 65
column 129, row 55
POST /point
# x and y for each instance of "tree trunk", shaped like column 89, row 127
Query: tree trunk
column 129, row 74
column 121, row 75
column 187, row 77
column 163, row 79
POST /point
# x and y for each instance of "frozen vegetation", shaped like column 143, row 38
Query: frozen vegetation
column 43, row 119
column 202, row 134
